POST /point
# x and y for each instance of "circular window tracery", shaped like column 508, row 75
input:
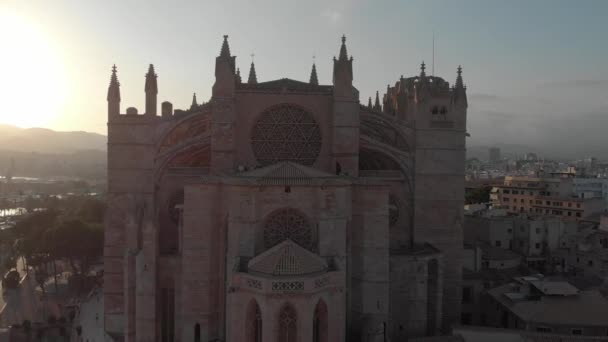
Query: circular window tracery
column 288, row 224
column 286, row 133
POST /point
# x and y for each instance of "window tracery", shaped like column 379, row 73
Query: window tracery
column 288, row 324
column 288, row 224
column 286, row 133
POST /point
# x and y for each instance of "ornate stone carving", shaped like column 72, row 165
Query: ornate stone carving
column 288, row 224
column 286, row 133
column 287, row 286
column 253, row 283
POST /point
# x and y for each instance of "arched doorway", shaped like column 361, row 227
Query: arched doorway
column 197, row 332
column 320, row 323
column 253, row 327
column 288, row 321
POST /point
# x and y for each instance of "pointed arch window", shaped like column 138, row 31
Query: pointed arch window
column 288, row 324
column 320, row 323
column 254, row 323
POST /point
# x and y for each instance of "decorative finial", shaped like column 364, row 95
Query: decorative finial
column 114, row 88
column 422, row 69
column 343, row 55
column 238, row 76
column 194, row 103
column 151, row 84
column 314, row 80
column 225, row 52
column 253, row 78
column 459, row 82
column 377, row 106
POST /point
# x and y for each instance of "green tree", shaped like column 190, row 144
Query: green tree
column 478, row 195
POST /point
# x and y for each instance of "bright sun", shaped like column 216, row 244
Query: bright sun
column 32, row 82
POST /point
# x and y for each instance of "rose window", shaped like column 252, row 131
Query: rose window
column 288, row 224
column 286, row 133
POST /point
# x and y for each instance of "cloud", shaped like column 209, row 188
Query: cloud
column 332, row 15
column 484, row 97
column 579, row 83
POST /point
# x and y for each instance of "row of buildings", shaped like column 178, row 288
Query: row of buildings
column 536, row 258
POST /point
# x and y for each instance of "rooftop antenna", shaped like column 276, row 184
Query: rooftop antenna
column 433, row 64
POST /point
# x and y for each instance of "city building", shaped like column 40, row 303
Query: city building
column 535, row 237
column 286, row 210
column 585, row 251
column 468, row 333
column 494, row 156
column 545, row 196
column 547, row 306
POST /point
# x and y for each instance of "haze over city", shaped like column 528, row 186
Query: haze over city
column 535, row 70
column 316, row 171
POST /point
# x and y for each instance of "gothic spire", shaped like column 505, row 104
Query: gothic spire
column 225, row 52
column 343, row 55
column 377, row 106
column 238, row 76
column 313, row 75
column 253, row 79
column 151, row 84
column 114, row 88
column 422, row 68
column 194, row 104
column 369, row 103
column 459, row 83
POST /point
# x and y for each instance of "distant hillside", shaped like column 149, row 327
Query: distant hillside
column 41, row 152
column 44, row 140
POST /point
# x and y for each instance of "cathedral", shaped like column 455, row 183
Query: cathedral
column 286, row 211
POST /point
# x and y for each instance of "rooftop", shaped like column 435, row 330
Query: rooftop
column 559, row 304
column 287, row 259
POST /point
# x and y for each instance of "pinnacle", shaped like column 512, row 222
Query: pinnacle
column 253, row 79
column 194, row 103
column 313, row 75
column 225, row 52
column 343, row 54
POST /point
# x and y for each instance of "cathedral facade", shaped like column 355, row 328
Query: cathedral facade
column 286, row 210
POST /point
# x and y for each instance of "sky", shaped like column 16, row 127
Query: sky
column 535, row 70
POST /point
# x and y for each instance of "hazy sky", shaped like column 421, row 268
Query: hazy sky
column 529, row 65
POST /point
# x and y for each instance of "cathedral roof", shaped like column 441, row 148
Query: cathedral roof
column 286, row 84
column 286, row 172
column 287, row 259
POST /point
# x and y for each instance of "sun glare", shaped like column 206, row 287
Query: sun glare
column 32, row 82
